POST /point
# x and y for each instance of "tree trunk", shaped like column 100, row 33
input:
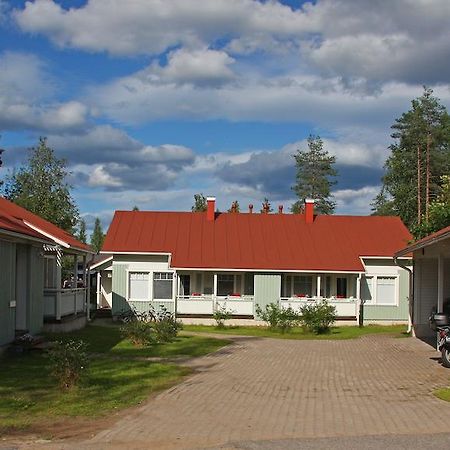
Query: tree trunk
column 427, row 188
column 419, row 186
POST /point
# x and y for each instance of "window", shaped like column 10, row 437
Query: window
column 386, row 291
column 328, row 287
column 286, row 286
column 225, row 284
column 162, row 285
column 208, row 283
column 139, row 286
column 49, row 273
column 341, row 287
column 303, row 286
column 249, row 284
column 185, row 284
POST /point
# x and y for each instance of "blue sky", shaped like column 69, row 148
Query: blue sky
column 151, row 102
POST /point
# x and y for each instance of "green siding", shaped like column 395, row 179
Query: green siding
column 7, row 291
column 400, row 312
column 119, row 288
column 36, row 290
column 267, row 289
column 145, row 306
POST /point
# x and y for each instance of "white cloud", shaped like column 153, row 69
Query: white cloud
column 99, row 177
column 355, row 201
column 199, row 67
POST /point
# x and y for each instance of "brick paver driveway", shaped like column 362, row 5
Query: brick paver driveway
column 260, row 389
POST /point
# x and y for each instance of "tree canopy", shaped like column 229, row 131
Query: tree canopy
column 41, row 187
column 420, row 156
column 315, row 177
column 81, row 235
column 235, row 208
column 97, row 236
column 199, row 203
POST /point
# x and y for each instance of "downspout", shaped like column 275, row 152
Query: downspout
column 411, row 295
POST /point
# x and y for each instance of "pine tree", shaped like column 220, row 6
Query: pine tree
column 97, row 236
column 135, row 208
column 315, row 177
column 199, row 203
column 41, row 187
column 266, row 207
column 419, row 157
column 81, row 236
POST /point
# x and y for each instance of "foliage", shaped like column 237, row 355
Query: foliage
column 68, row 360
column 221, row 315
column 266, row 207
column 41, row 187
column 199, row 203
column 315, row 176
column 421, row 146
column 139, row 332
column 151, row 328
column 81, row 235
column 439, row 212
column 97, row 236
column 282, row 319
column 318, row 316
column 135, row 208
column 235, row 208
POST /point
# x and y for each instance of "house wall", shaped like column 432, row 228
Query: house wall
column 7, row 291
column 121, row 266
column 267, row 289
column 35, row 289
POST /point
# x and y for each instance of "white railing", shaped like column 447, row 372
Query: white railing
column 345, row 307
column 64, row 302
column 207, row 304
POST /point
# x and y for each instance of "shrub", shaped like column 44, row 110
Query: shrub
column 222, row 314
column 283, row 319
column 318, row 316
column 139, row 332
column 68, row 360
column 151, row 327
column 165, row 325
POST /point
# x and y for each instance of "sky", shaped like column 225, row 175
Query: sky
column 152, row 101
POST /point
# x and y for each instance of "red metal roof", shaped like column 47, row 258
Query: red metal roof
column 14, row 215
column 257, row 241
column 427, row 240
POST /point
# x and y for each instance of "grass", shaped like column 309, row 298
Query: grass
column 443, row 394
column 117, row 377
column 343, row 332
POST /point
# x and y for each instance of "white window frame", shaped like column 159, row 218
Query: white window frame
column 149, row 281
column 374, row 301
column 171, row 280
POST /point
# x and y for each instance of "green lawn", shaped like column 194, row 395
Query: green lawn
column 117, row 377
column 443, row 394
column 343, row 332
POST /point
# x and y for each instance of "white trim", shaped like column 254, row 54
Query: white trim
column 135, row 253
column 44, row 233
column 374, row 301
column 311, row 271
column 100, row 263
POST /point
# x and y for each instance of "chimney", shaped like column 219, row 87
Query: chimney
column 250, row 208
column 280, row 209
column 210, row 208
column 309, row 210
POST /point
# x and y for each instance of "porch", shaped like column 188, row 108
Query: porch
column 199, row 294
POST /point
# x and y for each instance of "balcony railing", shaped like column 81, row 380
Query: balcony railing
column 60, row 303
column 207, row 304
column 345, row 307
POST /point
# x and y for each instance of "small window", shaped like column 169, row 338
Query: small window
column 386, row 291
column 162, row 285
column 341, row 287
column 225, row 284
column 139, row 286
column 303, row 286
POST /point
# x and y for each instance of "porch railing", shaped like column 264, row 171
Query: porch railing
column 345, row 307
column 60, row 303
column 207, row 304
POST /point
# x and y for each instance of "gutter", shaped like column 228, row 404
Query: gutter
column 411, row 293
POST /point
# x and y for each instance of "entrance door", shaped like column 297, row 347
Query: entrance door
column 21, row 288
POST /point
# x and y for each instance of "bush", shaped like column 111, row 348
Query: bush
column 68, row 360
column 283, row 319
column 151, row 327
column 221, row 314
column 318, row 316
column 165, row 325
column 139, row 332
